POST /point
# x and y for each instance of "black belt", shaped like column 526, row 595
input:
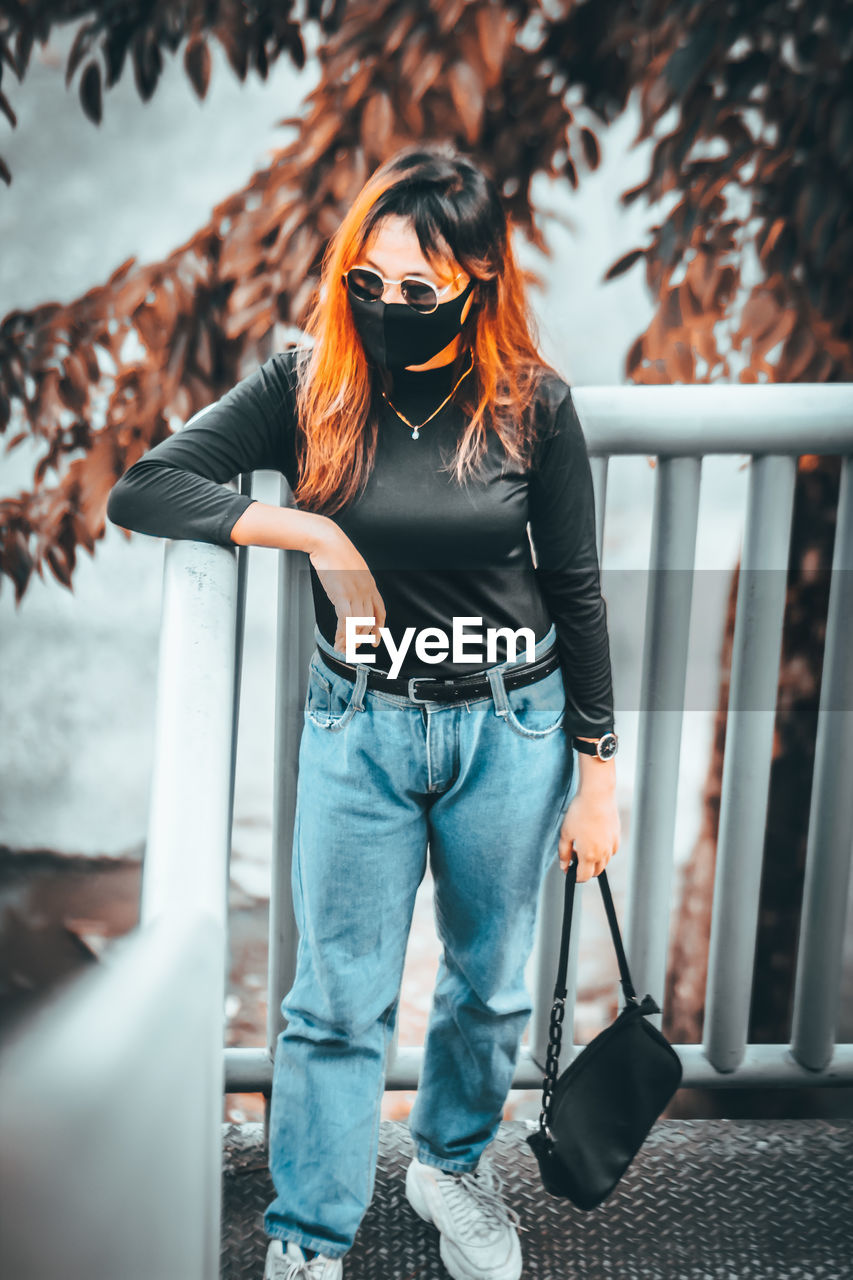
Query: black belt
column 458, row 689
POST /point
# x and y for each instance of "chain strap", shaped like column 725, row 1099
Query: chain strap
column 552, row 1061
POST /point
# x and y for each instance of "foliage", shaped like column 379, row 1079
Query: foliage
column 755, row 251
column 253, row 36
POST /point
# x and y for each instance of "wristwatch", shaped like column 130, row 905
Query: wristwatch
column 604, row 747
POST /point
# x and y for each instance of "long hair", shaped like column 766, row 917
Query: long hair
column 455, row 209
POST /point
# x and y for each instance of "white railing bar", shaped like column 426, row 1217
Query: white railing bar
column 817, row 987
column 186, row 852
column 664, row 676
column 294, row 645
column 779, row 418
column 599, row 467
column 186, row 865
column 763, row 1066
column 756, row 652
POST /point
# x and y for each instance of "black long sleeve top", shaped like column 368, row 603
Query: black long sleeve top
column 436, row 549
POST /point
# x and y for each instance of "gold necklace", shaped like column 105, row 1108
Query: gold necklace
column 416, row 427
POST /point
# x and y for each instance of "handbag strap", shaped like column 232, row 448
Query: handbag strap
column 571, row 875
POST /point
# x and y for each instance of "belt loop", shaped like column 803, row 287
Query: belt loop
column 498, row 688
column 360, row 686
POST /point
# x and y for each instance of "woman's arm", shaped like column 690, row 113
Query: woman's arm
column 562, row 524
column 178, row 489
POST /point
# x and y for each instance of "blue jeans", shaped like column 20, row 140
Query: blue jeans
column 483, row 785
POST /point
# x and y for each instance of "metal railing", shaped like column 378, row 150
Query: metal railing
column 679, row 425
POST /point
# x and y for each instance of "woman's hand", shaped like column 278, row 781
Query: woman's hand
column 591, row 829
column 347, row 581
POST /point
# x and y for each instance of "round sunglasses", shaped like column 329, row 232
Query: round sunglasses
column 369, row 286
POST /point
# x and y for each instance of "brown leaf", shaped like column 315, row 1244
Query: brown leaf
column 377, row 124
column 633, row 193
column 121, row 271
column 495, row 29
column 72, row 393
column 635, row 355
column 148, row 325
column 90, row 92
column 77, row 373
column 59, row 564
column 357, row 88
column 725, row 287
column 413, row 117
column 147, row 62
column 448, row 14
column 235, row 39
column 466, row 90
column 80, row 48
column 591, row 148
column 6, row 108
column 400, row 30
column 682, row 358
column 624, row 264
column 116, row 45
column 425, row 75
column 197, row 64
column 797, row 353
column 760, row 313
column 319, row 137
column 15, row 560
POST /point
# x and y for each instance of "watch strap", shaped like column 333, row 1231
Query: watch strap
column 590, row 748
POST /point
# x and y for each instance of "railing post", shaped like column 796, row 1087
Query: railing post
column 830, row 839
column 294, row 645
column 756, row 652
column 665, row 648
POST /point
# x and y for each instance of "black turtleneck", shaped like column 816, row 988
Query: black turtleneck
column 437, row 550
column 418, row 392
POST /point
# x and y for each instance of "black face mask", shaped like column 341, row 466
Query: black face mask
column 395, row 335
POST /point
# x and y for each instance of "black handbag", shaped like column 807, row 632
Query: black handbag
column 597, row 1115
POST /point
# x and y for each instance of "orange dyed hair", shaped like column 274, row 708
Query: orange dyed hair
column 457, row 213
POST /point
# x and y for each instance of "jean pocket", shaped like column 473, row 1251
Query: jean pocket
column 537, row 710
column 329, row 697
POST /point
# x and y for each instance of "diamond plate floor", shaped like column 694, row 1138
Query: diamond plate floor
column 703, row 1200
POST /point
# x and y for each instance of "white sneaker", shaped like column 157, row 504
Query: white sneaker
column 293, row 1265
column 478, row 1239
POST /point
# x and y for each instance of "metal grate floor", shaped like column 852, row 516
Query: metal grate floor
column 703, row 1200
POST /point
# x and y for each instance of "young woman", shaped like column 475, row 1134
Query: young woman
column 421, row 433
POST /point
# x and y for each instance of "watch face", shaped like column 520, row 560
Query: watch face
column 607, row 745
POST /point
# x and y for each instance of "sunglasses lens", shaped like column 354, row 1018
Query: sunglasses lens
column 364, row 285
column 367, row 286
column 419, row 295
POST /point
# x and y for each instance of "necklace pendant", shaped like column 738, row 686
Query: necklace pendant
column 416, row 430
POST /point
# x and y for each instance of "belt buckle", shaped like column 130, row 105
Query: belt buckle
column 413, row 680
